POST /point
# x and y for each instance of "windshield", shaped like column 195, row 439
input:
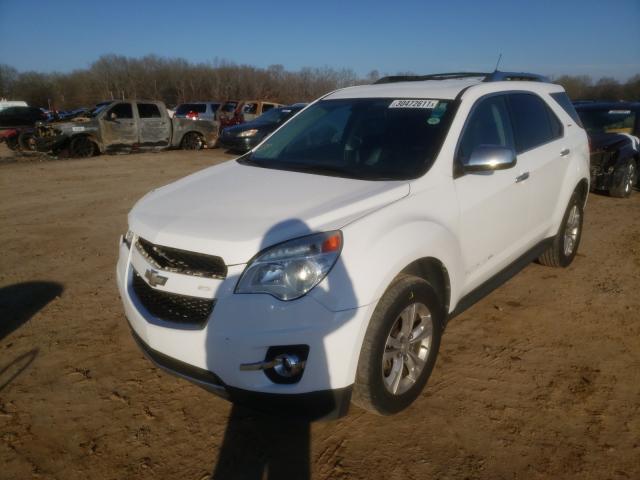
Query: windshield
column 372, row 139
column 277, row 115
column 608, row 120
column 99, row 108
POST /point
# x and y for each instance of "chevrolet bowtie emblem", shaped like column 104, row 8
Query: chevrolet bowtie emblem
column 154, row 278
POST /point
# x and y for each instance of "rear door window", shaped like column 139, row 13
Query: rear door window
column 532, row 121
column 148, row 110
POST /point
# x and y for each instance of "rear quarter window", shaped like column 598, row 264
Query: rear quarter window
column 563, row 100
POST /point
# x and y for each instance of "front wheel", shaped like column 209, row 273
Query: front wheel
column 82, row 147
column 192, row 141
column 400, row 347
column 565, row 244
column 624, row 179
column 27, row 141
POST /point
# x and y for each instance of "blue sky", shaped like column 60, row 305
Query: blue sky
column 593, row 37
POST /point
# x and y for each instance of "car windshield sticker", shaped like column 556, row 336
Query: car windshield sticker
column 619, row 112
column 433, row 121
column 414, row 104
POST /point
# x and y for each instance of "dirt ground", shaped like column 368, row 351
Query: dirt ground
column 540, row 380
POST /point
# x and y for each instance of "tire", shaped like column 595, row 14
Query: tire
column 82, row 147
column 388, row 353
column 566, row 242
column 624, row 180
column 12, row 143
column 27, row 141
column 192, row 141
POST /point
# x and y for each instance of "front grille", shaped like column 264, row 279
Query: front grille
column 182, row 261
column 171, row 306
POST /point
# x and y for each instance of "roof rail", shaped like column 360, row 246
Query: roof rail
column 515, row 76
column 434, row 76
column 487, row 77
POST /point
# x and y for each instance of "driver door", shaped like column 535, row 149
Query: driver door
column 493, row 204
column 119, row 127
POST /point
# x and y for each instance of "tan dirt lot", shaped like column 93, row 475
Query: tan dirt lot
column 539, row 380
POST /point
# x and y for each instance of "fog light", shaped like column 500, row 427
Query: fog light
column 288, row 363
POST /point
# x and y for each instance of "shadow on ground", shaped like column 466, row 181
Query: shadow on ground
column 260, row 446
column 19, row 302
column 9, row 372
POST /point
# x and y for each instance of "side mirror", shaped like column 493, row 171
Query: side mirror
column 486, row 158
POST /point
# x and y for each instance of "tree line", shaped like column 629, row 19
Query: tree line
column 174, row 81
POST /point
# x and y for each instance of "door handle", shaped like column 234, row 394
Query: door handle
column 565, row 152
column 522, row 177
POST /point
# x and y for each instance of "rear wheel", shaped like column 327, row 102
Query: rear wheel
column 82, row 147
column 192, row 141
column 624, row 180
column 400, row 347
column 565, row 244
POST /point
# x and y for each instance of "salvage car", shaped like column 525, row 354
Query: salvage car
column 17, row 126
column 198, row 110
column 234, row 112
column 614, row 131
column 124, row 126
column 323, row 266
column 249, row 134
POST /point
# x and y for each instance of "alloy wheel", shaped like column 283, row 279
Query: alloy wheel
column 407, row 348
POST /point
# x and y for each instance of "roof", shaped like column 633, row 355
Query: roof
column 599, row 105
column 447, row 89
column 441, row 89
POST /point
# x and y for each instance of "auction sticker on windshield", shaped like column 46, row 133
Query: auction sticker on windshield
column 414, row 104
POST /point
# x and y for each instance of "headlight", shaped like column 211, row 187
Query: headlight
column 248, row 133
column 128, row 238
column 291, row 269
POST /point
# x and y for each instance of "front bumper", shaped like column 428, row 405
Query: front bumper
column 46, row 144
column 240, row 330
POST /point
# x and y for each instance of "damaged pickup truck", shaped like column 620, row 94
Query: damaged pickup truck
column 125, row 126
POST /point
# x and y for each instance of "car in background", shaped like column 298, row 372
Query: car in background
column 613, row 129
column 198, row 110
column 244, row 137
column 17, row 125
column 4, row 104
column 125, row 126
column 235, row 112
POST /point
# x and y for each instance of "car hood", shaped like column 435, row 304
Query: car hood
column 606, row 141
column 261, row 126
column 234, row 211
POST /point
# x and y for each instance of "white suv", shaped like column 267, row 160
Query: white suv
column 322, row 266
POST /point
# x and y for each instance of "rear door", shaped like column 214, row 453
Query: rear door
column 493, row 205
column 118, row 126
column 544, row 154
column 155, row 130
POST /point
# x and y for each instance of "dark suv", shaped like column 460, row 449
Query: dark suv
column 613, row 129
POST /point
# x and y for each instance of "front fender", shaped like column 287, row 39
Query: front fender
column 378, row 247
